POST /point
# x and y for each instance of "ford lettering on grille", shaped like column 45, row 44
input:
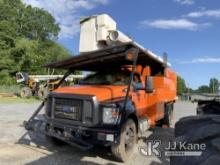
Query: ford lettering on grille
column 67, row 109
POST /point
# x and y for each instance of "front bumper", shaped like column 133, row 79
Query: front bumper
column 86, row 130
column 81, row 137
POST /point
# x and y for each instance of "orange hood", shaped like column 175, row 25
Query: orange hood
column 102, row 92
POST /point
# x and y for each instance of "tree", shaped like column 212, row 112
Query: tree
column 37, row 24
column 203, row 89
column 214, row 85
column 181, row 85
column 27, row 39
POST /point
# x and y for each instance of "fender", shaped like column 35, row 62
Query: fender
column 129, row 111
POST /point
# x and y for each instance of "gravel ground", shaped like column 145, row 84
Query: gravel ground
column 19, row 147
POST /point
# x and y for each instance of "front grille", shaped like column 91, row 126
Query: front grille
column 68, row 108
column 72, row 109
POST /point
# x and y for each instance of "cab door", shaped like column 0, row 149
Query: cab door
column 148, row 105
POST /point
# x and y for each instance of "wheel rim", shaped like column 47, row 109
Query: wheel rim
column 129, row 139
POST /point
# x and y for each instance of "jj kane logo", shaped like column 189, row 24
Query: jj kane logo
column 154, row 148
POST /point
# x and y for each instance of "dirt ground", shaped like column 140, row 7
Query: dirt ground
column 18, row 147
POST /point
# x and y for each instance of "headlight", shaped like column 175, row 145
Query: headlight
column 110, row 114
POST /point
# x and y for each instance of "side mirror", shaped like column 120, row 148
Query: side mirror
column 149, row 87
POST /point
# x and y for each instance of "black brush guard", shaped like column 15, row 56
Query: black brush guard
column 35, row 125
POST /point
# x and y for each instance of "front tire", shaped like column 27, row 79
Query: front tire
column 128, row 138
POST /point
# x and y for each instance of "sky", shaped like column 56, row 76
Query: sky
column 187, row 30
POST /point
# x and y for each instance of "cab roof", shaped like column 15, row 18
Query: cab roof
column 109, row 58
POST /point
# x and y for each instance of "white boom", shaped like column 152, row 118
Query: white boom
column 100, row 31
column 97, row 32
column 39, row 78
column 22, row 77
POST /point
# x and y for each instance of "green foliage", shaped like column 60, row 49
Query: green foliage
column 13, row 89
column 181, row 85
column 27, row 37
column 5, row 78
column 37, row 24
column 203, row 89
column 214, row 85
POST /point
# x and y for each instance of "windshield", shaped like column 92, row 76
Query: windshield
column 107, row 78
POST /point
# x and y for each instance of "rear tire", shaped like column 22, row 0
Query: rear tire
column 128, row 138
column 26, row 92
column 199, row 130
